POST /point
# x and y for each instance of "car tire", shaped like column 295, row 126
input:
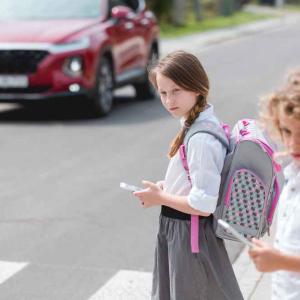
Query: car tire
column 102, row 99
column 144, row 89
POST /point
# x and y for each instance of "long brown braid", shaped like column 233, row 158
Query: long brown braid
column 187, row 72
column 193, row 115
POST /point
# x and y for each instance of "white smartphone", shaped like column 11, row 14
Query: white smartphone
column 240, row 237
column 129, row 187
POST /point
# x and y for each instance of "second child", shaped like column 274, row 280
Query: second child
column 283, row 116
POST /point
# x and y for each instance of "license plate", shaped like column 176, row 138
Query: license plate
column 13, row 81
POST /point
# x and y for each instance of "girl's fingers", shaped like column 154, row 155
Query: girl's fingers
column 160, row 184
column 149, row 184
column 137, row 194
column 140, row 193
column 253, row 253
column 258, row 243
column 256, row 250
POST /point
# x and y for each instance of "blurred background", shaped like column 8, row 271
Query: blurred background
column 78, row 116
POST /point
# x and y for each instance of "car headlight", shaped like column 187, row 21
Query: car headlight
column 73, row 66
column 81, row 44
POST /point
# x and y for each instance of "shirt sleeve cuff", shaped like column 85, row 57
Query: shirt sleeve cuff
column 198, row 200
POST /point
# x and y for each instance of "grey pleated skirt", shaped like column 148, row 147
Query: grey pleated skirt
column 180, row 274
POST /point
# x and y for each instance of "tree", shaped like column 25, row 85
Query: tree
column 179, row 12
column 162, row 9
column 198, row 10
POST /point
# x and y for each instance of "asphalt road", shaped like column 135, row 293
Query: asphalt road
column 61, row 209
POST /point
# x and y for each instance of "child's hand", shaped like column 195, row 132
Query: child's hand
column 150, row 196
column 160, row 184
column 265, row 258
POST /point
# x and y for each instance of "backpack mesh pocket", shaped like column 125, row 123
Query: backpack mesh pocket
column 245, row 200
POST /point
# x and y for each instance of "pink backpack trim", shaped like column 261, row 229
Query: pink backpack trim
column 277, row 168
column 226, row 129
column 194, row 218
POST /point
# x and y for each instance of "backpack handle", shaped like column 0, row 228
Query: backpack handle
column 227, row 130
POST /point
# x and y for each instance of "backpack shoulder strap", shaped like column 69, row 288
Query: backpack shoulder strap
column 219, row 134
column 209, row 128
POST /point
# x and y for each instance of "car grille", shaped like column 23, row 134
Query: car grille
column 20, row 61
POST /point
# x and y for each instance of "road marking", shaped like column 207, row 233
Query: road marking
column 9, row 269
column 126, row 285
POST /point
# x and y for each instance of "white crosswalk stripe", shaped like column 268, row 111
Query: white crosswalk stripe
column 9, row 269
column 126, row 285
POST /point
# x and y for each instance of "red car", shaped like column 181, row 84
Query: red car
column 60, row 48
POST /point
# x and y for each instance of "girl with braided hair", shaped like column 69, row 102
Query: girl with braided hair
column 281, row 115
column 180, row 274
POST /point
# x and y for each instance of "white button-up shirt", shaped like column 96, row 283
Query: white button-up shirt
column 205, row 159
column 286, row 285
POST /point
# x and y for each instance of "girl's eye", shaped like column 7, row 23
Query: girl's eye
column 163, row 93
column 285, row 131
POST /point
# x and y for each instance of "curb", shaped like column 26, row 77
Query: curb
column 200, row 41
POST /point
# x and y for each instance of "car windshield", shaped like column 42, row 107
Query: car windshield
column 45, row 9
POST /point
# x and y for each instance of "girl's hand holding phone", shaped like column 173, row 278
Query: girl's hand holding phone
column 265, row 257
column 160, row 184
column 151, row 195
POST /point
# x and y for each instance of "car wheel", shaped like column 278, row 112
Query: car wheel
column 103, row 95
column 144, row 89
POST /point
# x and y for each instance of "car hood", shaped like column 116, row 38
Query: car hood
column 52, row 31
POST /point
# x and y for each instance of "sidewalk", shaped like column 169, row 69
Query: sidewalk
column 199, row 41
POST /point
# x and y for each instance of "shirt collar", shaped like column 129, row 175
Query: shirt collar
column 291, row 171
column 208, row 112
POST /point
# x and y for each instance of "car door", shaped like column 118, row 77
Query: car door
column 142, row 30
column 125, row 39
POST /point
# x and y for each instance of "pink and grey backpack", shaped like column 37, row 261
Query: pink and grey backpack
column 250, row 181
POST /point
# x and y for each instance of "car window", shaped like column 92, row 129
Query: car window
column 49, row 9
column 133, row 4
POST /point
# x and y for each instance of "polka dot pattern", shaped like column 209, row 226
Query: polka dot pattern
column 247, row 198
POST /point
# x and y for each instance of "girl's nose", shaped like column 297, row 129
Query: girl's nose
column 295, row 141
column 169, row 99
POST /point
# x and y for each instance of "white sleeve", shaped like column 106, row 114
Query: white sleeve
column 205, row 158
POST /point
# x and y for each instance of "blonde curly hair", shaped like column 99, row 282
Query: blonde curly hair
column 286, row 98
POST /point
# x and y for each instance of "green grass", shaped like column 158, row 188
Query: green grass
column 192, row 26
column 292, row 8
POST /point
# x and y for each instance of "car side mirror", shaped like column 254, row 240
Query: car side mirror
column 121, row 12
